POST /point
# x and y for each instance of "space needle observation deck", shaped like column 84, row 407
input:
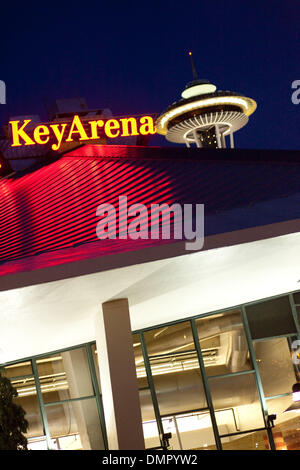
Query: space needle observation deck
column 204, row 116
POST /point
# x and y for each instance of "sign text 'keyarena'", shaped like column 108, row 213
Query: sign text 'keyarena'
column 24, row 133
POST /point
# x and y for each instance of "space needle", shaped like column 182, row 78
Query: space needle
column 205, row 116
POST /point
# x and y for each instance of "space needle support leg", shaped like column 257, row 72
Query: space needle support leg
column 223, row 141
column 197, row 140
column 218, row 137
column 231, row 140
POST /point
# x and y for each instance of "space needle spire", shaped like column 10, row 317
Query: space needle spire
column 195, row 75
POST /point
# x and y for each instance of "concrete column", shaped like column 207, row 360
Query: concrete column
column 118, row 377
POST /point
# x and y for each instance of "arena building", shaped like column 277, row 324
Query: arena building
column 115, row 343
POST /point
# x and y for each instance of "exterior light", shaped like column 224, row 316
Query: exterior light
column 196, row 90
column 247, row 105
column 296, row 399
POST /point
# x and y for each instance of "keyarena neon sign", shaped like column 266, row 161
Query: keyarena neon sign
column 23, row 133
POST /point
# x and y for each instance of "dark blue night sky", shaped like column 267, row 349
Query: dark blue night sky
column 132, row 58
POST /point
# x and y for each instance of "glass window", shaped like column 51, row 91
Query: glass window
column 65, row 375
column 298, row 314
column 275, row 365
column 38, row 443
column 146, row 405
column 139, row 362
column 286, row 432
column 223, row 343
column 175, row 369
column 169, row 339
column 190, row 431
column 75, row 425
column 251, row 441
column 178, row 383
column 62, row 376
column 150, row 429
column 151, row 434
column 237, row 394
column 18, row 370
column 270, row 318
column 27, row 398
column 227, row 420
column 96, row 364
column 297, row 298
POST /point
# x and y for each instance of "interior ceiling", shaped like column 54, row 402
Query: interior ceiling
column 56, row 315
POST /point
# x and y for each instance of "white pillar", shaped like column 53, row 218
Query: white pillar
column 119, row 384
column 231, row 140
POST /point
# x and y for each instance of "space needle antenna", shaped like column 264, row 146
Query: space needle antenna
column 195, row 75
